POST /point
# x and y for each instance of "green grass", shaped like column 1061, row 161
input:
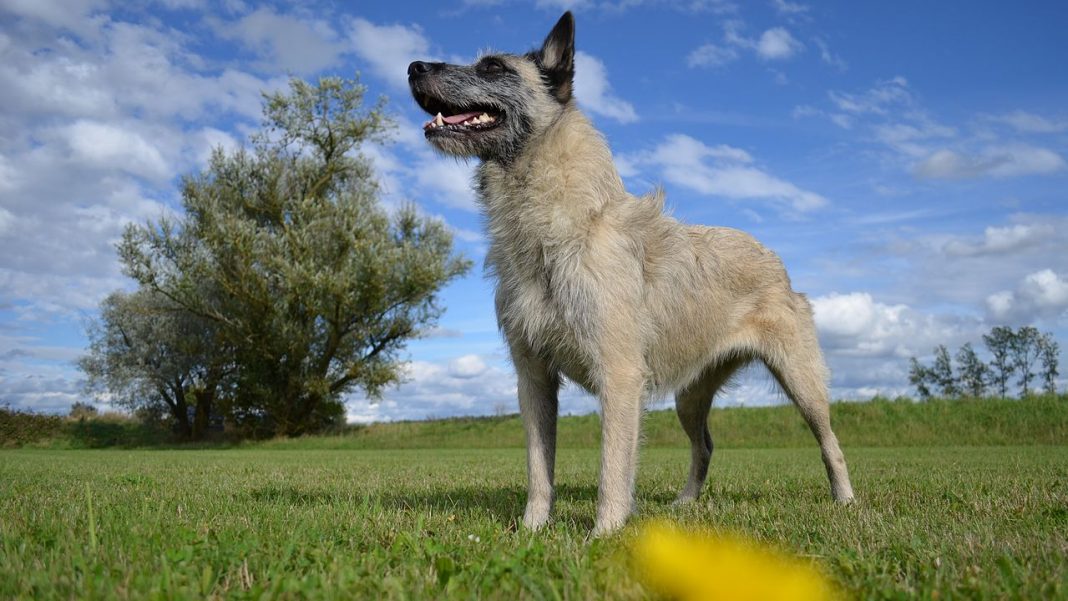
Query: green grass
column 965, row 522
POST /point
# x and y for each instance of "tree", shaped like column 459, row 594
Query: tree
column 942, row 372
column 1049, row 351
column 80, row 410
column 1025, row 352
column 973, row 374
column 284, row 247
column 148, row 354
column 1000, row 342
column 920, row 376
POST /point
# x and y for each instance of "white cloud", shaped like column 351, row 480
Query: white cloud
column 878, row 100
column 113, row 147
column 964, row 270
column 721, row 171
column 72, row 15
column 100, row 116
column 595, row 93
column 855, row 324
column 777, row 44
column 467, row 385
column 711, row 55
column 563, row 4
column 790, row 8
column 1030, row 123
column 829, row 57
column 1042, row 294
column 389, row 49
column 467, row 366
column 774, row 44
column 867, row 343
column 1002, row 240
column 1012, row 160
column 934, row 151
column 447, row 181
column 7, row 220
column 287, row 42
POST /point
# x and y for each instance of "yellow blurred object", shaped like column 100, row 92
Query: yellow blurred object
column 693, row 567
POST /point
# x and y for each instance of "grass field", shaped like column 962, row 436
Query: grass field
column 951, row 522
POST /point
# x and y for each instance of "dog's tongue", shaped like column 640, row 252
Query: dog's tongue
column 454, row 119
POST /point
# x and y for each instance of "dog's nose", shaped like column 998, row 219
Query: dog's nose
column 418, row 68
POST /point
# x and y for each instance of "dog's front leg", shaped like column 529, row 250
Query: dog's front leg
column 538, row 388
column 621, row 407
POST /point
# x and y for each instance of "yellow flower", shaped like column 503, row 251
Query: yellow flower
column 693, row 567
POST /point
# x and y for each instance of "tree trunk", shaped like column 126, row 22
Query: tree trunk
column 202, row 417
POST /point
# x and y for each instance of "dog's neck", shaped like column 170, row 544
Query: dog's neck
column 568, row 167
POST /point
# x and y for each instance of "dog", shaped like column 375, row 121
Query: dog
column 605, row 289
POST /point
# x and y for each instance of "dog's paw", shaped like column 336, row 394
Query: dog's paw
column 536, row 517
column 684, row 499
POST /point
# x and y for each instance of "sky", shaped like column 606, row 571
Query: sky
column 905, row 159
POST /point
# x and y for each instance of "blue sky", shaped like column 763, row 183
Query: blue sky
column 906, row 159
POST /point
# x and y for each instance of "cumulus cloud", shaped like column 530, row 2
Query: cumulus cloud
column 96, row 127
column 1001, row 240
column 856, row 324
column 105, row 145
column 867, row 342
column 773, row 44
column 963, row 270
column 286, row 42
column 467, row 385
column 1039, row 295
column 73, row 15
column 389, row 49
column 777, row 44
column 594, row 92
column 722, row 171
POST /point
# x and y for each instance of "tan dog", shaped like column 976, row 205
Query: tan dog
column 601, row 287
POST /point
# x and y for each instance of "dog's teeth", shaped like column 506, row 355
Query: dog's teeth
column 439, row 120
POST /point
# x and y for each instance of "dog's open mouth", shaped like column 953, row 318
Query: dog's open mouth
column 453, row 119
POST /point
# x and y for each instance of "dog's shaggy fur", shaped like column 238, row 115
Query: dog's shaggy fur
column 603, row 288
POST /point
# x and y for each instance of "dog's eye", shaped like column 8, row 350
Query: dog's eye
column 491, row 66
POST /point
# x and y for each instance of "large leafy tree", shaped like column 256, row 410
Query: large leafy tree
column 148, row 354
column 286, row 249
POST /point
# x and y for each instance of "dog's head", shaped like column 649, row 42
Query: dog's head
column 491, row 108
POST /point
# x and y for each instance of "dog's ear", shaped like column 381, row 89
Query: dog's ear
column 557, row 57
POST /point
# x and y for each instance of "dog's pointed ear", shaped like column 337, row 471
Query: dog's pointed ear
column 557, row 57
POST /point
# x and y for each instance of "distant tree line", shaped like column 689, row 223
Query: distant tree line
column 1026, row 354
column 281, row 286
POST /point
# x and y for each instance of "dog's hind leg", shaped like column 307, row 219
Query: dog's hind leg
column 691, row 405
column 792, row 353
column 538, row 389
